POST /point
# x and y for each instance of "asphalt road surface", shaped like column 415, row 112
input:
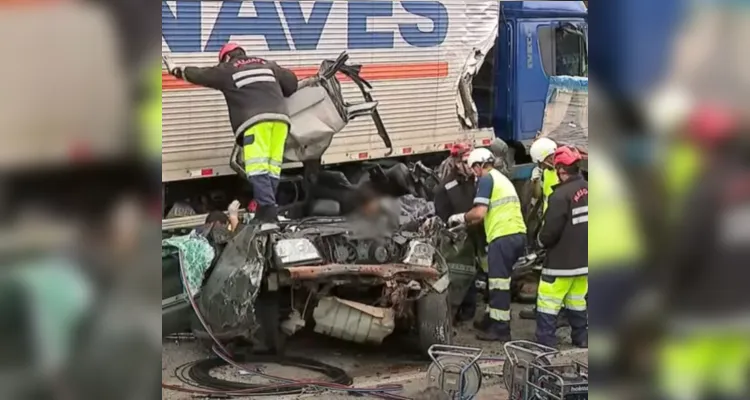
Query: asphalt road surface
column 393, row 362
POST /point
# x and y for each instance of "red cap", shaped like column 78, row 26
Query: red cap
column 252, row 206
column 565, row 155
column 226, row 49
column 711, row 124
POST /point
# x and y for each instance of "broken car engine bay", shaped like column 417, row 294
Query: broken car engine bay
column 350, row 278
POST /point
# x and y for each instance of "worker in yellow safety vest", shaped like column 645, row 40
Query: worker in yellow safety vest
column 615, row 255
column 498, row 206
column 543, row 180
column 544, row 176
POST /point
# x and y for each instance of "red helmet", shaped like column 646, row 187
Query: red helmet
column 460, row 149
column 711, row 124
column 565, row 155
column 226, row 49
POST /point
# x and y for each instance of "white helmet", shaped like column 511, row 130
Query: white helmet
column 481, row 156
column 542, row 148
column 668, row 108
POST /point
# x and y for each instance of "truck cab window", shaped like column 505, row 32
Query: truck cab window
column 570, row 54
column 563, row 51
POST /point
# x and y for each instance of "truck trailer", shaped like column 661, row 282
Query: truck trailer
column 442, row 71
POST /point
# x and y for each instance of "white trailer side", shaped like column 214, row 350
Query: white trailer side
column 415, row 76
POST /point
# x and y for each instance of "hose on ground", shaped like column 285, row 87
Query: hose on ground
column 288, row 386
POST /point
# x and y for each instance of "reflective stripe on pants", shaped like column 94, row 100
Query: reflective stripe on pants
column 553, row 293
column 263, row 151
column 264, row 148
column 502, row 253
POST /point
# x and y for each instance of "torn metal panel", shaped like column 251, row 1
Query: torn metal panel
column 229, row 294
column 385, row 271
column 353, row 321
column 480, row 37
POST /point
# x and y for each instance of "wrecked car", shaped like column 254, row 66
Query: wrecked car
column 348, row 277
column 342, row 277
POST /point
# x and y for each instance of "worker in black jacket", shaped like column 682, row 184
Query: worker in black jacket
column 455, row 194
column 565, row 236
column 703, row 281
column 254, row 89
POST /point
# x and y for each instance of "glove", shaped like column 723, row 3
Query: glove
column 457, row 219
column 172, row 68
column 234, row 209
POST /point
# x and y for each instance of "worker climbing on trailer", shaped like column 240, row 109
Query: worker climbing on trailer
column 498, row 206
column 254, row 89
column 565, row 236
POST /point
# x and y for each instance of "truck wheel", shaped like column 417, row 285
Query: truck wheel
column 434, row 320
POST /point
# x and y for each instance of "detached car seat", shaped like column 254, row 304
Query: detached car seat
column 319, row 111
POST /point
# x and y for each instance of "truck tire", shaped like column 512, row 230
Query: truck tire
column 434, row 320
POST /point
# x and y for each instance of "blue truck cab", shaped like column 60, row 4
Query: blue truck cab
column 536, row 40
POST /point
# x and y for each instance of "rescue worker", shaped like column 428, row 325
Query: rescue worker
column 706, row 351
column 454, row 166
column 565, row 236
column 544, row 176
column 498, row 206
column 254, row 89
column 543, row 179
column 456, row 194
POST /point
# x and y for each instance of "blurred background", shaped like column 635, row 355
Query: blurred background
column 669, row 243
column 80, row 135
column 669, row 249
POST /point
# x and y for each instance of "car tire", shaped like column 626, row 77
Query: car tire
column 434, row 320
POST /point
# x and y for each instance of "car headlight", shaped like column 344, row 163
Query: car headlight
column 296, row 251
column 420, row 253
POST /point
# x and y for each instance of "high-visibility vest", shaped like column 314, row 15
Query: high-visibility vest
column 504, row 215
column 614, row 239
column 549, row 179
column 150, row 114
column 683, row 164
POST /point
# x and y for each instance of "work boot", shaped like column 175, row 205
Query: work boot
column 265, row 215
column 483, row 324
column 493, row 335
column 495, row 332
column 528, row 313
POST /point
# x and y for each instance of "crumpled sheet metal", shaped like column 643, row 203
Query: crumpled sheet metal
column 230, row 292
column 196, row 255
